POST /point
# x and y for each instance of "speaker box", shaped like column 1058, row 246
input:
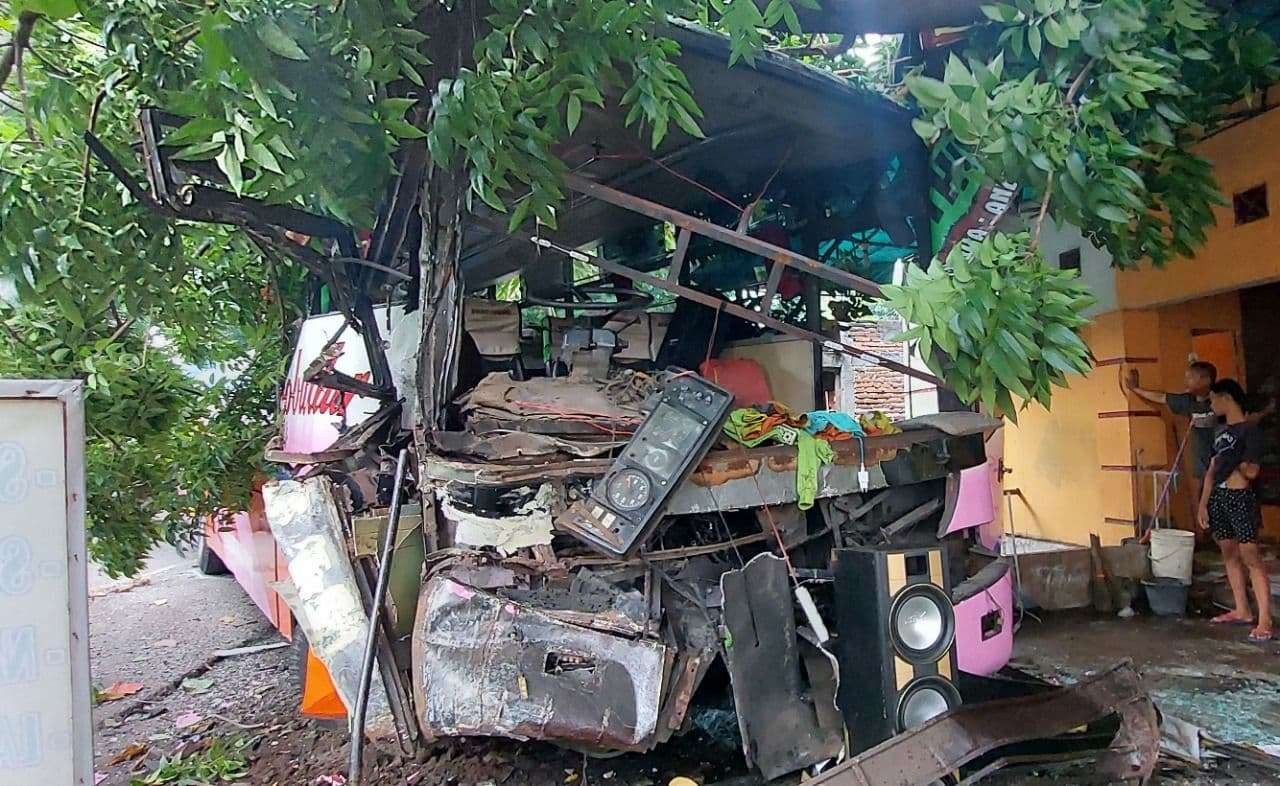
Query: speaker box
column 896, row 642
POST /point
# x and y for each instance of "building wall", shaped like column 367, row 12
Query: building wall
column 866, row 387
column 1095, row 264
column 1233, row 256
column 1072, row 467
column 1086, row 467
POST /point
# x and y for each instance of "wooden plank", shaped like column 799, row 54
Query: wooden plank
column 771, row 286
column 721, row 234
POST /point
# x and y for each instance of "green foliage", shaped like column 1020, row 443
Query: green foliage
column 1096, row 104
column 293, row 101
column 140, row 308
column 222, row 761
column 996, row 322
column 538, row 68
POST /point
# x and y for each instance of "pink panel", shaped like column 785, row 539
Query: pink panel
column 974, row 507
column 247, row 548
column 974, row 653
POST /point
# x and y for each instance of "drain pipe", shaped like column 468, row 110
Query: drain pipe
column 355, row 775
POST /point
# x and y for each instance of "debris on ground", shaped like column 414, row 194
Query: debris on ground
column 117, row 691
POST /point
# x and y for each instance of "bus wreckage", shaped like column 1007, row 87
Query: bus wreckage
column 587, row 505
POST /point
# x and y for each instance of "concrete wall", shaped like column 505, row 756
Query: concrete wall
column 1095, row 264
column 1234, row 256
column 1086, row 466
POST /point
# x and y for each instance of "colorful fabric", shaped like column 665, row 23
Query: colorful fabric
column 819, row 420
column 877, row 424
column 811, row 454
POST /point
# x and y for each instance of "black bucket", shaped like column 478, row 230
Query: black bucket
column 1166, row 596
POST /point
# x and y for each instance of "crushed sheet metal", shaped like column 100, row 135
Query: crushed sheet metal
column 781, row 732
column 327, row 602
column 529, row 527
column 487, row 666
column 499, row 445
column 950, row 741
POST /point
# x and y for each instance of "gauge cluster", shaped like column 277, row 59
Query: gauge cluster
column 628, row 501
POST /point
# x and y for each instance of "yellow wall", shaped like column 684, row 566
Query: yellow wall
column 1071, row 466
column 1084, row 467
column 1233, row 256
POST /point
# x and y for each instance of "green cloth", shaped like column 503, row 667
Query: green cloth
column 743, row 427
column 811, row 454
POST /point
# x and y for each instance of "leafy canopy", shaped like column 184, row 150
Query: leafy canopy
column 293, row 102
column 1003, row 321
column 1095, row 106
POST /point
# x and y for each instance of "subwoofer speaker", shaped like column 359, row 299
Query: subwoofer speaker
column 896, row 643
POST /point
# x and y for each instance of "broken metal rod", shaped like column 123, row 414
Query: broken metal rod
column 744, row 242
column 911, row 518
column 355, row 774
column 711, row 301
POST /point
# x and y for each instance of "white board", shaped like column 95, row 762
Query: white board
column 46, row 734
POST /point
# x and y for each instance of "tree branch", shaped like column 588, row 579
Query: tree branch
column 1079, row 80
column 84, row 169
column 21, row 40
column 16, row 337
column 77, row 36
column 22, row 83
column 120, row 331
column 1044, row 210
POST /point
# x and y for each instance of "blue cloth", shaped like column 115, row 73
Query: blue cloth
column 840, row 421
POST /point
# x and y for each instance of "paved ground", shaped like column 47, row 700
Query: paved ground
column 164, row 627
column 151, row 632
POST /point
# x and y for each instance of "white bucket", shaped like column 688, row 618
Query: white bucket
column 1171, row 554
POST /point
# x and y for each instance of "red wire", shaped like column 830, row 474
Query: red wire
column 673, row 173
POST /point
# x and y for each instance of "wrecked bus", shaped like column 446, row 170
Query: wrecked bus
column 587, row 480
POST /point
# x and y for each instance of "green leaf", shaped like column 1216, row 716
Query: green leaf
column 54, row 9
column 928, row 91
column 574, row 113
column 264, row 100
column 1002, row 13
column 403, row 129
column 1034, row 42
column 1055, row 34
column 1075, row 168
column 265, row 158
column 230, row 166
column 1111, row 213
column 925, row 129
column 198, row 129
column 278, row 41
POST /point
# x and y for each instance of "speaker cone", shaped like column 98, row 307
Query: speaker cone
column 924, row 700
column 922, row 622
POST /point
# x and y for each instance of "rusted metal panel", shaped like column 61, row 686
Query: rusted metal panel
column 743, row 478
column 488, row 666
column 779, row 722
column 948, row 742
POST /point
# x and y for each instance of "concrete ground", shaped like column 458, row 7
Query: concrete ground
column 1209, row 675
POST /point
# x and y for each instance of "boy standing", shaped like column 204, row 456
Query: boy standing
column 1229, row 509
column 1200, row 376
